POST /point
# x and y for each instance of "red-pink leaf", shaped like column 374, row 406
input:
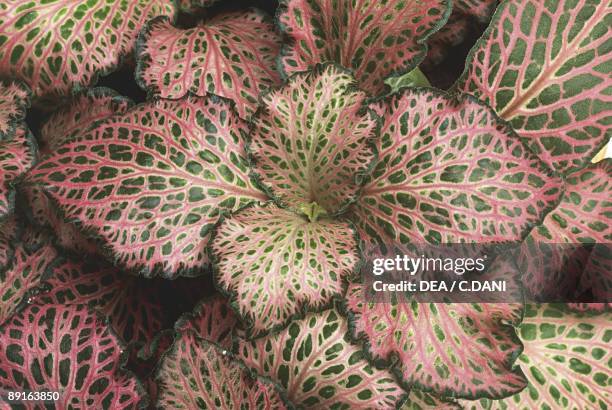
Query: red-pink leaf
column 212, row 320
column 198, row 374
column 17, row 155
column 14, row 100
column 31, row 264
column 582, row 217
column 8, row 237
column 454, row 349
column 276, row 263
column 480, row 9
column 375, row 39
column 232, row 55
column 56, row 46
column 131, row 304
column 449, row 171
column 545, row 68
column 152, row 183
column 82, row 112
column 70, row 350
column 315, row 362
column 311, row 140
column 441, row 43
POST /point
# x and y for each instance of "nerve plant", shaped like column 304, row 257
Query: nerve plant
column 269, row 157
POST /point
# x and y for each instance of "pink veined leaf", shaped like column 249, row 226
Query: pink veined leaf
column 545, row 68
column 132, row 305
column 213, row 320
column 68, row 349
column 582, row 217
column 14, row 100
column 480, row 9
column 152, row 183
column 198, row 374
column 57, row 46
column 420, row 400
column 597, row 276
column 567, row 360
column 375, row 39
column 441, row 43
column 453, row 349
column 8, row 237
column 232, row 55
column 84, row 110
column 275, row 263
column 32, row 262
column 192, row 6
column 17, row 156
column 315, row 362
column 590, row 307
column 311, row 140
column 450, row 172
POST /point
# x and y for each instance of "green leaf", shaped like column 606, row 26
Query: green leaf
column 545, row 67
column 276, row 263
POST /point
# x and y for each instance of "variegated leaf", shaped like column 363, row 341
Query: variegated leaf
column 198, row 374
column 17, row 155
column 131, row 304
column 191, row 6
column 14, row 100
column 231, row 55
column 55, row 46
column 31, row 264
column 8, row 237
column 545, row 68
column 376, row 39
column 584, row 216
column 70, row 350
column 311, row 140
column 454, row 349
column 213, row 320
column 152, row 183
column 449, row 171
column 567, row 359
column 275, row 263
column 318, row 366
column 82, row 112
column 420, row 400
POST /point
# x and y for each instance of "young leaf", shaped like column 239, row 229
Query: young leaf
column 376, row 39
column 480, row 9
column 31, row 264
column 545, row 68
column 567, row 360
column 314, row 360
column 311, row 140
column 454, row 349
column 70, row 350
column 198, row 374
column 59, row 45
column 17, row 155
column 131, row 304
column 153, row 182
column 212, row 320
column 232, row 55
column 274, row 263
column 442, row 42
column 14, row 100
column 449, row 171
column 582, row 217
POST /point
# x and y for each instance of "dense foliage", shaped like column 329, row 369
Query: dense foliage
column 189, row 189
